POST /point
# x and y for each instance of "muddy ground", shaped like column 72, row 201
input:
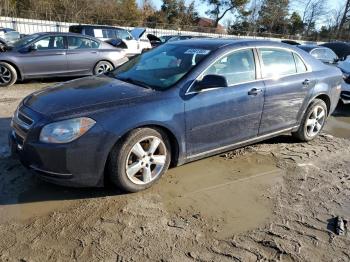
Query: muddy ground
column 276, row 200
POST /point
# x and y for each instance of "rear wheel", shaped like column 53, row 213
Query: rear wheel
column 138, row 161
column 313, row 121
column 103, row 67
column 8, row 74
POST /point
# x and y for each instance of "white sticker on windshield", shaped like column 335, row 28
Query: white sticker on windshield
column 197, row 52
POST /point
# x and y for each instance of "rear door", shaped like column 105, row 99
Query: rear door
column 49, row 58
column 288, row 87
column 82, row 54
column 225, row 115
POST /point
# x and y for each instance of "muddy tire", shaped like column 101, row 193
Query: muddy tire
column 8, row 74
column 139, row 159
column 313, row 121
column 103, row 67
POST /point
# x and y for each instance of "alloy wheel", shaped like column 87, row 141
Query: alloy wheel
column 316, row 121
column 103, row 68
column 146, row 160
column 5, row 75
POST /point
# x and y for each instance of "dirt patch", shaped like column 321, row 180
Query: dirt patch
column 272, row 201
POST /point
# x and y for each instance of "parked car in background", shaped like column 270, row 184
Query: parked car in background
column 290, row 42
column 134, row 44
column 342, row 49
column 157, row 41
column 9, row 35
column 209, row 96
column 327, row 56
column 57, row 54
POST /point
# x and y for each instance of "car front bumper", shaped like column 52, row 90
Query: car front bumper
column 77, row 164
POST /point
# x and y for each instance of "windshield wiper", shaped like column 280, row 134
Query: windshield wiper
column 134, row 81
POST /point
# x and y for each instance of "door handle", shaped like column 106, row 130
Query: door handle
column 93, row 52
column 255, row 91
column 306, row 83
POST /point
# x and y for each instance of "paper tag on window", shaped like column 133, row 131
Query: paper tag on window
column 197, row 52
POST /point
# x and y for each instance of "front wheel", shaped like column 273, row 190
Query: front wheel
column 313, row 121
column 139, row 160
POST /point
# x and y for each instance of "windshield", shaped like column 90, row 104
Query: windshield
column 162, row 67
column 25, row 40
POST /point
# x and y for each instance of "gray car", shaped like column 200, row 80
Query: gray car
column 57, row 54
column 328, row 56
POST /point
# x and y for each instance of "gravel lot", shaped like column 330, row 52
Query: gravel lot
column 275, row 201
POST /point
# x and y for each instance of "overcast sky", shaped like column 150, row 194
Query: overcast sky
column 202, row 8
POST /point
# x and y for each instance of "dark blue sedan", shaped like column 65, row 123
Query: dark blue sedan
column 177, row 103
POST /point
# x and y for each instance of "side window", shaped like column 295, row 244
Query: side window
column 331, row 56
column 80, row 43
column 50, row 42
column 277, row 62
column 317, row 53
column 237, row 67
column 301, row 67
column 123, row 34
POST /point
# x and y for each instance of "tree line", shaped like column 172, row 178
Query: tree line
column 307, row 19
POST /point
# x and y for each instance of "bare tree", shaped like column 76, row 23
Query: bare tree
column 344, row 18
column 313, row 12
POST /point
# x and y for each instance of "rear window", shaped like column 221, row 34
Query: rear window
column 75, row 29
column 277, row 62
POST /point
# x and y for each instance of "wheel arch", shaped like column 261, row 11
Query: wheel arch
column 174, row 142
column 325, row 98
column 19, row 72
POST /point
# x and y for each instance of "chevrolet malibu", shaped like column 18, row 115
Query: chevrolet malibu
column 177, row 103
column 56, row 54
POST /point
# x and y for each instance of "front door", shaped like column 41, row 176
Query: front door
column 48, row 58
column 225, row 115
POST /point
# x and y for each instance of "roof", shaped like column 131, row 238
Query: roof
column 98, row 26
column 214, row 43
column 64, row 33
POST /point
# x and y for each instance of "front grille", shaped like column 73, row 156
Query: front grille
column 25, row 119
column 345, row 94
column 22, row 120
column 21, row 124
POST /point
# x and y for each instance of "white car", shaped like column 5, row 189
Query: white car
column 132, row 39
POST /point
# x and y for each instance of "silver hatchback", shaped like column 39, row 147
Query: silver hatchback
column 44, row 55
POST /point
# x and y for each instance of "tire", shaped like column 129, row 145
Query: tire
column 150, row 167
column 8, row 74
column 313, row 121
column 103, row 67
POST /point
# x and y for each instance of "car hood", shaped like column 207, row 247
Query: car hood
column 83, row 95
column 344, row 66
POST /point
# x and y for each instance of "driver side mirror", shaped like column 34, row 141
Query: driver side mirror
column 210, row 82
column 32, row 48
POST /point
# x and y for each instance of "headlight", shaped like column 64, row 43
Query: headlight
column 66, row 131
column 345, row 76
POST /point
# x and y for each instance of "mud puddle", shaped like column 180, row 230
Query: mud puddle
column 338, row 124
column 228, row 193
